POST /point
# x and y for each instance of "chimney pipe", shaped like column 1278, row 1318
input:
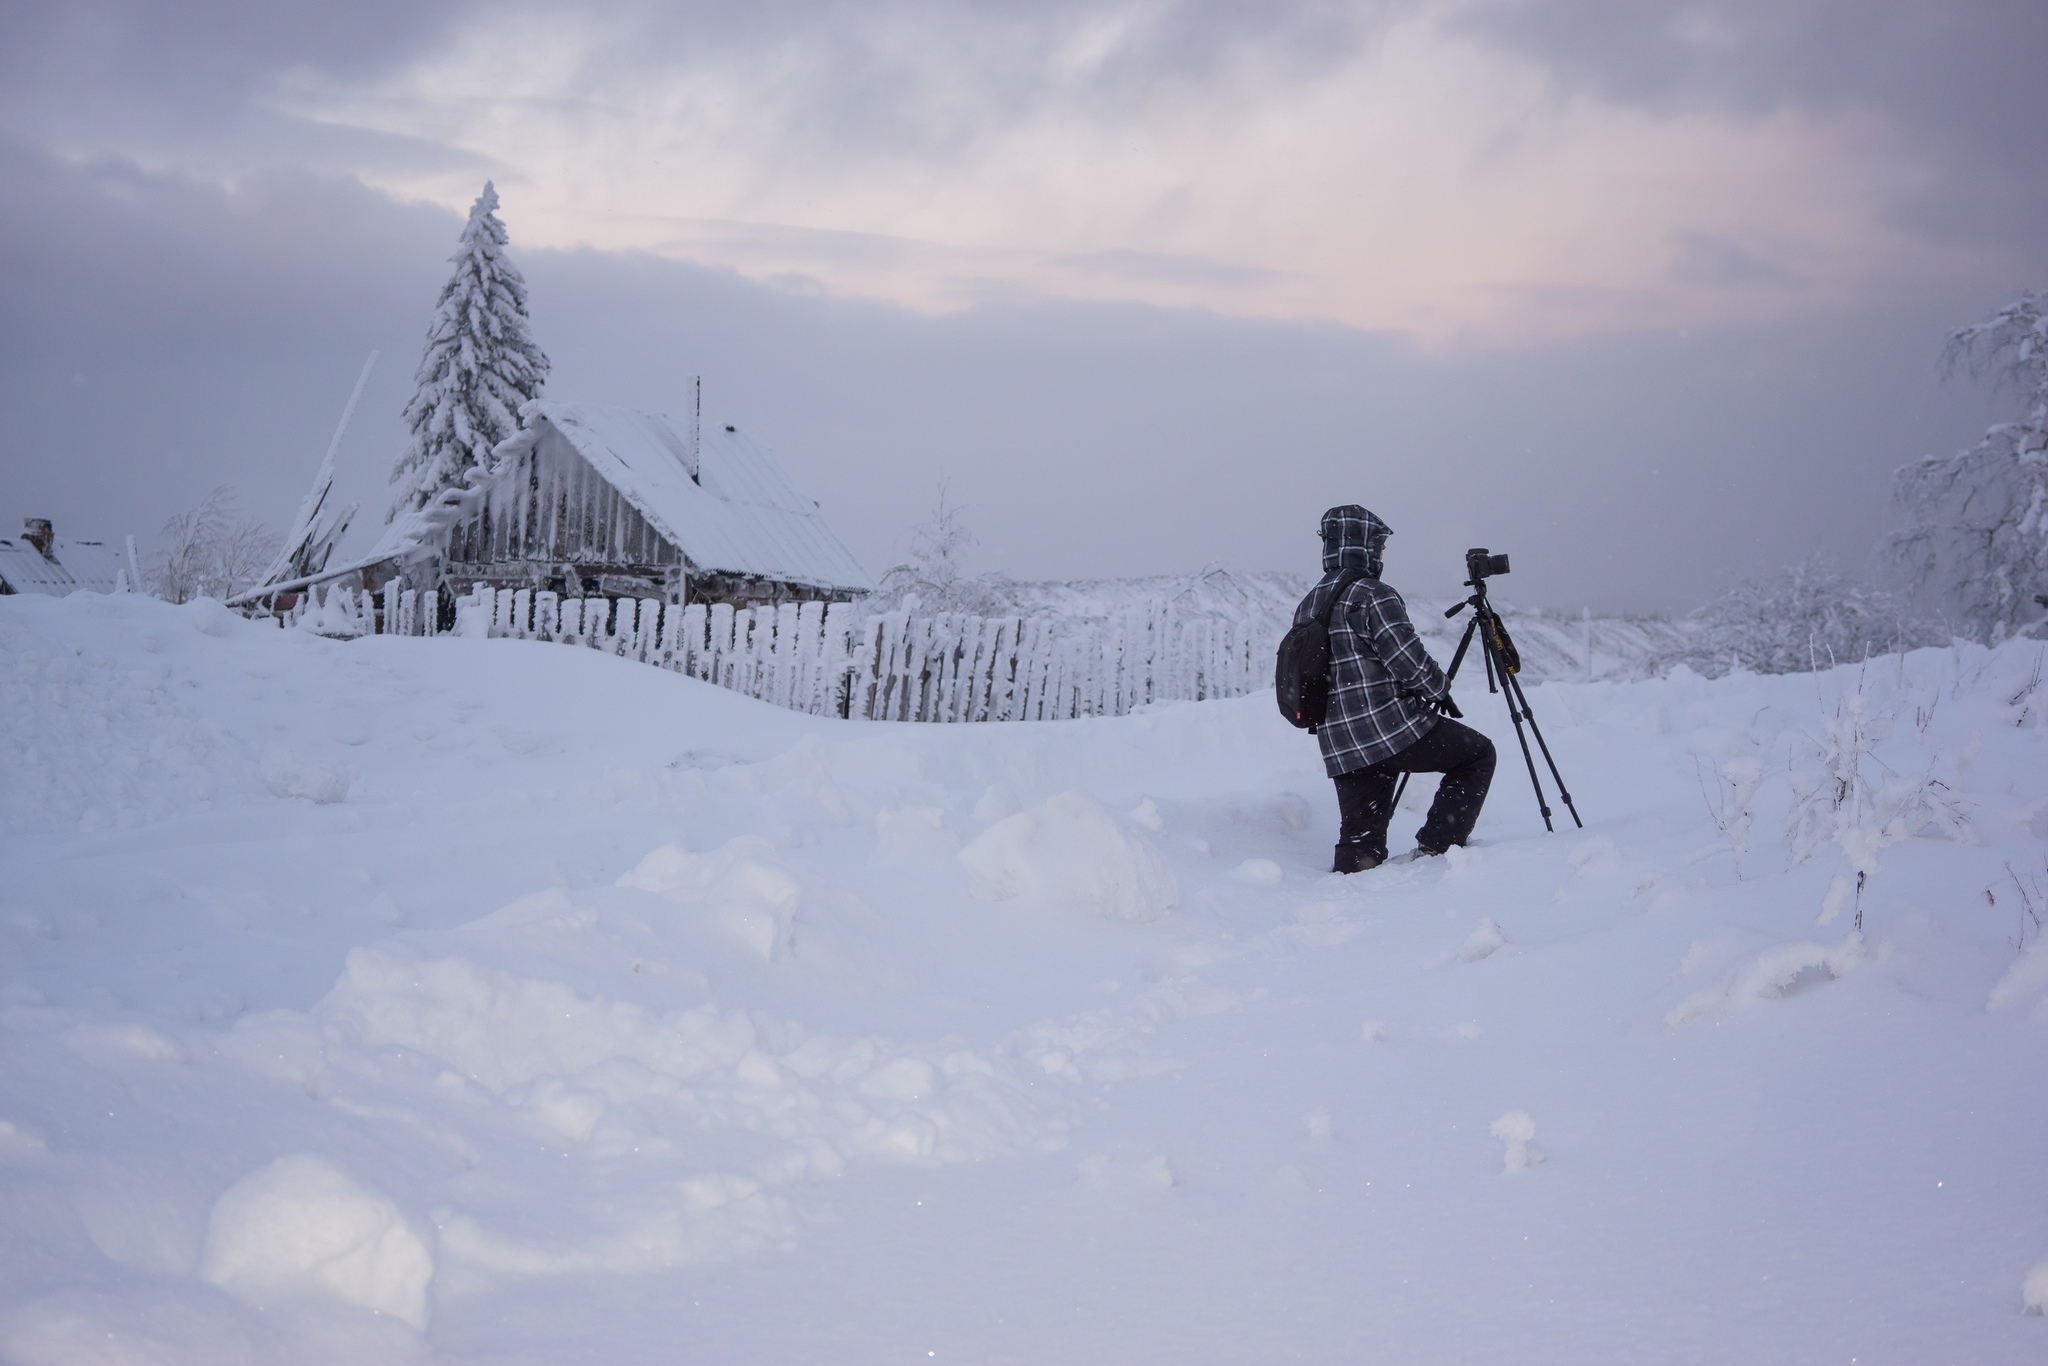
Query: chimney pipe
column 36, row 531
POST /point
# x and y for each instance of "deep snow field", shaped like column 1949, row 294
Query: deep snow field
column 487, row 1001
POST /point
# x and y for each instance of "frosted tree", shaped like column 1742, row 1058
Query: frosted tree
column 1805, row 617
column 936, row 571
column 938, row 546
column 212, row 551
column 480, row 364
column 1975, row 532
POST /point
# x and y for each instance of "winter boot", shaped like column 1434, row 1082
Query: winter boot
column 1356, row 856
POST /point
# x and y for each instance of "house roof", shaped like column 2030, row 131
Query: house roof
column 740, row 515
column 73, row 566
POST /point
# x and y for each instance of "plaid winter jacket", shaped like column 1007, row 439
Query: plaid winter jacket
column 1381, row 679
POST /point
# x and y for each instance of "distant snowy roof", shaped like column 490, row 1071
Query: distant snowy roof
column 72, row 566
column 741, row 515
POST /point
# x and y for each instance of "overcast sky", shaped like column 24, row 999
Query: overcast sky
column 1650, row 295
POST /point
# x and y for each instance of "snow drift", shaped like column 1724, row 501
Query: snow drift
column 458, row 999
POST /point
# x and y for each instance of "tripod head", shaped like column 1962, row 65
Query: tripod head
column 1497, row 645
column 1480, row 565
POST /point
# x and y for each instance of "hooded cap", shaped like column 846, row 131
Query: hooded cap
column 1352, row 539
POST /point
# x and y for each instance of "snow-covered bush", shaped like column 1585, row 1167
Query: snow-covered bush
column 935, row 574
column 1846, row 795
column 479, row 366
column 210, row 552
column 1974, row 538
column 1516, row 1131
column 1806, row 617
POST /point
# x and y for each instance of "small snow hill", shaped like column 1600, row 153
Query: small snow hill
column 488, row 1001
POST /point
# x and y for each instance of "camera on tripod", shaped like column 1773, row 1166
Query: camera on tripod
column 1481, row 565
column 1503, row 665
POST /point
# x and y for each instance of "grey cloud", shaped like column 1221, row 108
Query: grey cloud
column 1961, row 80
column 1699, row 258
column 192, row 85
column 1167, row 268
column 209, row 50
column 919, row 77
column 165, row 336
column 218, row 334
column 823, row 245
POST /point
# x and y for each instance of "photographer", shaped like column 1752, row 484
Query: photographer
column 1385, row 699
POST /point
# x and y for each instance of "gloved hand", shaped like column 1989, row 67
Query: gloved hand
column 1446, row 707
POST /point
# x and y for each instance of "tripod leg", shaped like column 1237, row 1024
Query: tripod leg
column 1464, row 644
column 1399, row 788
column 1515, row 715
column 1555, row 776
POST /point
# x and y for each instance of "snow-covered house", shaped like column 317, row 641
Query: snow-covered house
column 39, row 562
column 591, row 499
column 588, row 500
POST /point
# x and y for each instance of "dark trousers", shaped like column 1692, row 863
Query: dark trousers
column 1365, row 796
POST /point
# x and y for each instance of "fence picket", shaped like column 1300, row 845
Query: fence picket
column 831, row 659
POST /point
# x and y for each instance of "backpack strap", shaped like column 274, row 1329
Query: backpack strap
column 1345, row 578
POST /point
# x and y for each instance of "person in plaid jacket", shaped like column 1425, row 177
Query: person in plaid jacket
column 1387, row 697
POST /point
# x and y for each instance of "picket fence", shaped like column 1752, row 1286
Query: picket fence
column 837, row 659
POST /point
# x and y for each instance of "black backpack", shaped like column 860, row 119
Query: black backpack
column 1301, row 669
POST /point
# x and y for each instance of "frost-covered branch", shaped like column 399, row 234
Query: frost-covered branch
column 1974, row 532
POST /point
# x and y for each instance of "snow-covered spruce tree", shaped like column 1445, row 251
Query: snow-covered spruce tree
column 1974, row 538
column 480, row 364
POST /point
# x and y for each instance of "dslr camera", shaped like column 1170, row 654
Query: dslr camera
column 1481, row 565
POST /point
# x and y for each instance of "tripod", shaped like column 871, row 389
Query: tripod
column 1503, row 662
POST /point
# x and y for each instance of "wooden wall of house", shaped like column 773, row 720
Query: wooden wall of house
column 553, row 509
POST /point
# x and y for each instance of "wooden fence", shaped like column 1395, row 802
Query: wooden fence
column 839, row 659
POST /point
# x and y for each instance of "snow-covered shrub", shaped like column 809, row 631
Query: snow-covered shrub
column 1808, row 616
column 1845, row 795
column 1516, row 1131
column 210, row 552
column 1731, row 798
column 2034, row 1289
column 479, row 366
column 1974, row 538
column 935, row 574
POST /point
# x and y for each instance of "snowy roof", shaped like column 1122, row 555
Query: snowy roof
column 740, row 515
column 71, row 567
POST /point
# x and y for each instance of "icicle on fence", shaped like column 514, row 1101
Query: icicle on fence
column 341, row 611
column 839, row 660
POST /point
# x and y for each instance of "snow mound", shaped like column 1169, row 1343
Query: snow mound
column 293, row 775
column 112, row 1043
column 1259, row 872
column 303, row 1227
column 503, row 1030
column 1771, row 975
column 2027, row 975
column 1484, row 942
column 1073, row 849
column 99, row 739
column 619, row 1074
column 735, row 888
column 716, row 1217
